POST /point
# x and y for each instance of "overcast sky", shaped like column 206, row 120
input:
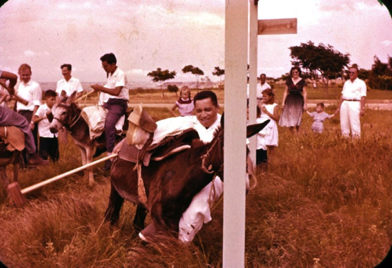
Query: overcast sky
column 170, row 34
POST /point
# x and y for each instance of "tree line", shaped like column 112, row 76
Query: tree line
column 160, row 75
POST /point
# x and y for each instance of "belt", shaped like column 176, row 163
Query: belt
column 351, row 100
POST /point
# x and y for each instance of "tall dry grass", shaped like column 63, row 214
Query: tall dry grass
column 323, row 200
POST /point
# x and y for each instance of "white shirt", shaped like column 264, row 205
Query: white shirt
column 354, row 90
column 70, row 86
column 261, row 88
column 260, row 137
column 43, row 125
column 175, row 125
column 117, row 79
column 31, row 92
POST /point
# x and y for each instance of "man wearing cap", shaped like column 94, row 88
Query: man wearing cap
column 352, row 104
column 114, row 97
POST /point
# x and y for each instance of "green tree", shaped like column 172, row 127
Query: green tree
column 320, row 60
column 160, row 75
column 219, row 72
column 172, row 88
column 381, row 74
column 195, row 71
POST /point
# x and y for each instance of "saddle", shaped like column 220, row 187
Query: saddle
column 157, row 152
column 13, row 137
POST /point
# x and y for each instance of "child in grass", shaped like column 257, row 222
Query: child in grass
column 48, row 142
column 184, row 103
column 261, row 142
column 319, row 117
column 269, row 110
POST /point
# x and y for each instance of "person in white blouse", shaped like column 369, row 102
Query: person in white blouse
column 352, row 104
column 69, row 84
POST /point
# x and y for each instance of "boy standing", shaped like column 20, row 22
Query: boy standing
column 48, row 142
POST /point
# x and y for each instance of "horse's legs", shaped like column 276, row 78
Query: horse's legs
column 140, row 216
column 83, row 153
column 3, row 175
column 89, row 159
column 112, row 213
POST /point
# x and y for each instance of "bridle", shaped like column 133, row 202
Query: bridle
column 207, row 156
column 73, row 121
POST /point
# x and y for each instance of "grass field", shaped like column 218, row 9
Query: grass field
column 323, row 200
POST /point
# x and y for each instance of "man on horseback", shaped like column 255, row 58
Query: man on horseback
column 10, row 118
column 114, row 97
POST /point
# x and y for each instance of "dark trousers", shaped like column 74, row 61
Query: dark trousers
column 49, row 147
column 261, row 157
column 29, row 115
column 9, row 117
column 116, row 108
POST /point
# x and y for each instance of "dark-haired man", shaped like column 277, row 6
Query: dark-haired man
column 69, row 84
column 205, row 121
column 114, row 96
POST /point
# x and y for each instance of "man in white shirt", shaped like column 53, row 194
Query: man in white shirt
column 352, row 104
column 30, row 91
column 9, row 117
column 114, row 96
column 261, row 87
column 69, row 84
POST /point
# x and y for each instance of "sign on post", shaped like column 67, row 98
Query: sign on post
column 277, row 26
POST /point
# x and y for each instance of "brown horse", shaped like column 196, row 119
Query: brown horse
column 67, row 114
column 170, row 184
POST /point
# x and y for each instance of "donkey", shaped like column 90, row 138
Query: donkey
column 67, row 114
column 170, row 184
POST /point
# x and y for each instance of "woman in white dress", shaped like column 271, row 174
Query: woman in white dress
column 269, row 110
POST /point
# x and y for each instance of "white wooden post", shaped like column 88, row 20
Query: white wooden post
column 236, row 47
column 253, row 36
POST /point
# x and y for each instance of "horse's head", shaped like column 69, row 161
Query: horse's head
column 213, row 159
column 63, row 114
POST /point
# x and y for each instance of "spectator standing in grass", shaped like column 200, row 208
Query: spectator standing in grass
column 261, row 141
column 352, row 104
column 319, row 117
column 184, row 103
column 48, row 142
column 263, row 85
column 30, row 91
column 11, row 118
column 69, row 84
column 294, row 101
column 269, row 110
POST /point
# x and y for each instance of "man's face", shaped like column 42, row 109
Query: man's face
column 65, row 72
column 262, row 79
column 109, row 68
column 206, row 112
column 25, row 75
column 353, row 74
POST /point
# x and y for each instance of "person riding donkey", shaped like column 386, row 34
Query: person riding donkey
column 205, row 121
column 114, row 97
column 11, row 118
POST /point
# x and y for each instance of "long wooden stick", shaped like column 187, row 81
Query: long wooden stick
column 43, row 183
column 84, row 96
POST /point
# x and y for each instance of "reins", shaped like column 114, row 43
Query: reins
column 77, row 116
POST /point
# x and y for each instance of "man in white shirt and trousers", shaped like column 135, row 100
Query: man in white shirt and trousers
column 352, row 104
